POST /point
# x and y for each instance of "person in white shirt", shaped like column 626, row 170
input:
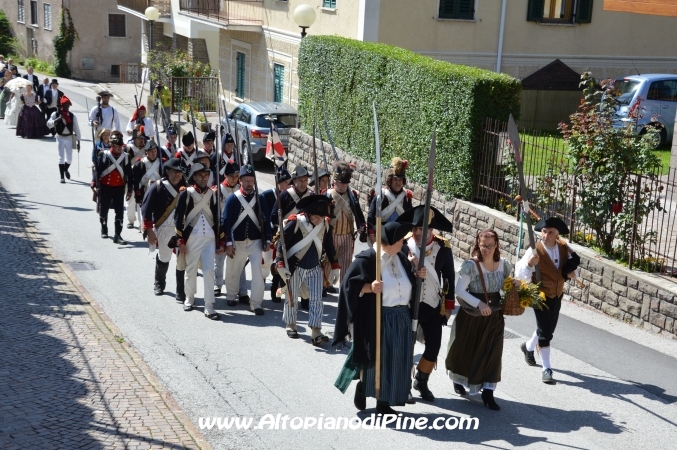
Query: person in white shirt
column 103, row 115
column 65, row 124
column 139, row 117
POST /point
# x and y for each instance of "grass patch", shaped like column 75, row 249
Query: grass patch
column 40, row 66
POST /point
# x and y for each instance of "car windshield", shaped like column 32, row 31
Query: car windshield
column 281, row 121
column 624, row 90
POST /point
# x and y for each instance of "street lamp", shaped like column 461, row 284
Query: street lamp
column 152, row 14
column 304, row 16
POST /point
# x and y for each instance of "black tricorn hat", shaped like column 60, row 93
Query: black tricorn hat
column 314, row 204
column 299, row 171
column 552, row 222
column 209, row 137
column 436, row 219
column 320, row 173
column 392, row 232
column 116, row 138
column 232, row 168
column 174, row 164
column 188, row 139
column 283, row 175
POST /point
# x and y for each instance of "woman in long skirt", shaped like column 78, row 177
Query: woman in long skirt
column 476, row 343
column 357, row 309
column 13, row 107
column 31, row 122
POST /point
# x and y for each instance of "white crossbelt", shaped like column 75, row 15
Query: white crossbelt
column 169, row 187
column 394, row 203
column 294, row 196
column 138, row 153
column 188, row 159
column 312, row 236
column 115, row 165
column 248, row 209
column 152, row 171
column 431, row 288
column 201, row 205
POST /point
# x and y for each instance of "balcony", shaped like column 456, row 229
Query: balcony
column 229, row 13
column 138, row 7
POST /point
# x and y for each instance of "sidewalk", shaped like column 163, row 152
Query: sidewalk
column 67, row 380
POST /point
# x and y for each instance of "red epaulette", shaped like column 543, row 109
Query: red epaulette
column 177, row 155
column 356, row 194
column 291, row 217
column 410, row 194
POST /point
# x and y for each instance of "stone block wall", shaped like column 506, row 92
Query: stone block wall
column 635, row 297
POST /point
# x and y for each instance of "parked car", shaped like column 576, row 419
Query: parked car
column 252, row 119
column 658, row 96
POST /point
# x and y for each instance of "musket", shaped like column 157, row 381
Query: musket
column 157, row 136
column 143, row 83
column 218, row 174
column 283, row 245
column 192, row 119
column 377, row 363
column 236, row 150
column 204, row 114
column 514, row 136
column 94, row 171
column 424, row 239
column 259, row 212
column 315, row 174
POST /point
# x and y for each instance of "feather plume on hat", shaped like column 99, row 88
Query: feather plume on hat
column 399, row 166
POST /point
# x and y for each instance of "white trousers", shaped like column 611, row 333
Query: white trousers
column 131, row 209
column 65, row 144
column 164, row 234
column 220, row 268
column 245, row 250
column 200, row 248
column 313, row 279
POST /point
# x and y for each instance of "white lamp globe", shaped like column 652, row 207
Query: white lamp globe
column 152, row 13
column 304, row 16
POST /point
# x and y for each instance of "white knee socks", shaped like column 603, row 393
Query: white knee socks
column 545, row 357
column 531, row 343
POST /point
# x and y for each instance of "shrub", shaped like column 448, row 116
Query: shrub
column 340, row 78
column 40, row 66
column 8, row 44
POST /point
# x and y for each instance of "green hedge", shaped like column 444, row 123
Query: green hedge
column 341, row 77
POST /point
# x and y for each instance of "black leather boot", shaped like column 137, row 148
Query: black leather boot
column 421, row 385
column 160, row 276
column 180, row 293
column 305, row 304
column 65, row 170
column 61, row 172
column 273, row 288
column 360, row 400
column 104, row 228
column 117, row 239
column 488, row 399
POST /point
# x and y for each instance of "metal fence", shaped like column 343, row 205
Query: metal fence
column 202, row 92
column 234, row 12
column 552, row 190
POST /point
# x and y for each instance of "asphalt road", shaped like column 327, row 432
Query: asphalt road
column 612, row 392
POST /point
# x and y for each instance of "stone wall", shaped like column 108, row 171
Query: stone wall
column 635, row 297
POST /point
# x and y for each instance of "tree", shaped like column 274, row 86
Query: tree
column 63, row 43
column 7, row 42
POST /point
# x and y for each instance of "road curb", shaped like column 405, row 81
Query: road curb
column 100, row 318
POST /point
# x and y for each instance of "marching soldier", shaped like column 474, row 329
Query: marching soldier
column 283, row 180
column 103, row 115
column 208, row 142
column 187, row 152
column 146, row 172
column 230, row 185
column 65, row 124
column 293, row 195
column 196, row 221
column 438, row 299
column 137, row 151
column 394, row 198
column 347, row 217
column 115, row 174
column 307, row 236
column 169, row 149
column 228, row 146
column 225, row 155
column 139, row 118
column 247, row 230
column 158, row 222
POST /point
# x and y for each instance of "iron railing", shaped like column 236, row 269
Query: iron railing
column 202, row 92
column 553, row 190
column 228, row 12
column 164, row 6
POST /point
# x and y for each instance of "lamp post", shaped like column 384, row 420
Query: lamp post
column 152, row 14
column 304, row 16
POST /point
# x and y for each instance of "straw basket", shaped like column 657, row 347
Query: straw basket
column 511, row 304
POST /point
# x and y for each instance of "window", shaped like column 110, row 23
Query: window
column 22, row 12
column 34, row 12
column 665, row 91
column 281, row 121
column 115, row 70
column 278, row 89
column 457, row 9
column 48, row 16
column 564, row 11
column 116, row 25
column 329, row 4
column 239, row 90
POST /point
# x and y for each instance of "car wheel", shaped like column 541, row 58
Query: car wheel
column 662, row 137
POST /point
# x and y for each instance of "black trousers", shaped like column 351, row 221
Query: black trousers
column 117, row 196
column 48, row 114
column 546, row 320
column 431, row 323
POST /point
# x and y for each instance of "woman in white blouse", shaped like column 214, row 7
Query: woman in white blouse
column 476, row 343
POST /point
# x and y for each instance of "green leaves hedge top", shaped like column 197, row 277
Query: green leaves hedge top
column 340, row 78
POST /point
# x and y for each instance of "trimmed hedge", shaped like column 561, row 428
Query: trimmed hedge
column 341, row 77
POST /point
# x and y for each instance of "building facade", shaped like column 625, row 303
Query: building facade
column 108, row 37
column 255, row 43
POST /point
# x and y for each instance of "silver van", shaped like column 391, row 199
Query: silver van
column 252, row 119
column 657, row 94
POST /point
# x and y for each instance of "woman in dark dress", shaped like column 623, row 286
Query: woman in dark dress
column 357, row 309
column 31, row 123
column 476, row 343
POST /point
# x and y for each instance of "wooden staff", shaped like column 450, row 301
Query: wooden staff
column 377, row 363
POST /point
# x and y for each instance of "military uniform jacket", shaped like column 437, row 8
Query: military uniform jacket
column 404, row 205
column 343, row 203
column 144, row 172
column 288, row 199
column 239, row 228
column 158, row 199
column 186, row 204
column 295, row 231
column 222, row 166
column 187, row 160
column 105, row 165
